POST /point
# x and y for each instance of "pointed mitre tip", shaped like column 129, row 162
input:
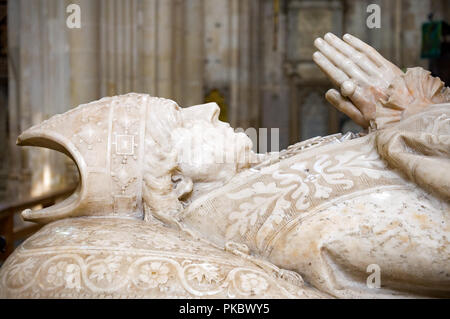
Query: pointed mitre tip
column 23, row 138
column 19, row 140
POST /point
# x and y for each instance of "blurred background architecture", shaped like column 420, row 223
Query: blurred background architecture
column 252, row 57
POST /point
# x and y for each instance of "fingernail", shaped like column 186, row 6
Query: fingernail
column 347, row 36
column 318, row 41
column 328, row 36
column 331, row 97
column 316, row 55
column 332, row 93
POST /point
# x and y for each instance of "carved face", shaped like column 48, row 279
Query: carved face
column 134, row 148
column 208, row 149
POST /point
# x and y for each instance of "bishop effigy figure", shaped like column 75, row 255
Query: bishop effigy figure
column 172, row 203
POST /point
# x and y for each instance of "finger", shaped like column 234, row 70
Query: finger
column 362, row 101
column 356, row 56
column 337, row 76
column 346, row 107
column 341, row 61
column 366, row 49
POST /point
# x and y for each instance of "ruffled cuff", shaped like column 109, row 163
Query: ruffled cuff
column 409, row 94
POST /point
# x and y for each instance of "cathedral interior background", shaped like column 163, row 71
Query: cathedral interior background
column 252, row 57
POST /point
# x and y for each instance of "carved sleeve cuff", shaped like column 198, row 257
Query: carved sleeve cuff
column 408, row 94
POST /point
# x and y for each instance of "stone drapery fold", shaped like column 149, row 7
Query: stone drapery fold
column 409, row 94
column 419, row 146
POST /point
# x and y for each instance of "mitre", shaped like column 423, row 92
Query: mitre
column 105, row 139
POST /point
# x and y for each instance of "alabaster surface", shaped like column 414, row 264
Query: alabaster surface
column 173, row 203
column 125, row 258
column 331, row 210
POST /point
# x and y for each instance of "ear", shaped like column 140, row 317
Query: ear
column 182, row 185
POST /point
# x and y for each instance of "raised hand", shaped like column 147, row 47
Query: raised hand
column 359, row 71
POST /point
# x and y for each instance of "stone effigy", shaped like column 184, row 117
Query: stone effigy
column 172, row 203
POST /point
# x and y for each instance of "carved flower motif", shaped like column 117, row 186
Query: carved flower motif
column 56, row 273
column 204, row 273
column 252, row 283
column 72, row 277
column 105, row 270
column 154, row 274
column 65, row 274
column 21, row 273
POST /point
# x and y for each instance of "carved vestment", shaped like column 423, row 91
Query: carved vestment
column 332, row 210
column 326, row 211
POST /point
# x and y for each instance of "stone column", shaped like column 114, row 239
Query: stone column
column 255, row 67
column 194, row 52
column 414, row 13
column 178, row 50
column 149, row 42
column 39, row 88
column 276, row 93
column 163, row 75
column 14, row 156
column 4, row 143
column 234, row 62
column 245, row 35
column 84, row 54
column 31, row 87
column 217, row 54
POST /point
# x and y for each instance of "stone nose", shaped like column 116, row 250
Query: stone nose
column 209, row 112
